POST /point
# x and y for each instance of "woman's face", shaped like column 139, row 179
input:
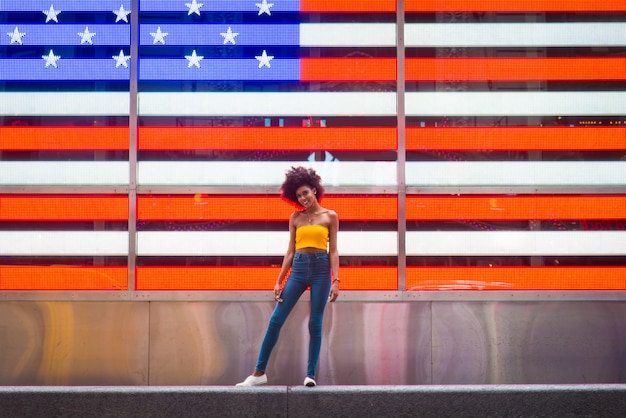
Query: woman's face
column 306, row 196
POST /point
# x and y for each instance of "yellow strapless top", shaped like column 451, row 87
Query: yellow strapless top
column 313, row 236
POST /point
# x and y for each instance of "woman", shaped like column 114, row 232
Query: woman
column 314, row 261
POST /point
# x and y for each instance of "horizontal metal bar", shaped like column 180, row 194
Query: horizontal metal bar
column 455, row 190
column 272, row 190
column 64, row 189
column 344, row 297
column 382, row 190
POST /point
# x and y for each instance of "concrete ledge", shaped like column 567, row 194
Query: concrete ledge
column 460, row 401
column 326, row 401
column 142, row 401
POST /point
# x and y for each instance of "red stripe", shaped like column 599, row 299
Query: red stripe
column 514, row 69
column 516, row 138
column 515, row 207
column 362, row 6
column 63, row 278
column 515, row 278
column 514, row 5
column 258, row 208
column 348, row 69
column 353, row 278
column 64, row 138
column 274, row 138
column 63, row 208
column 188, row 138
column 253, row 278
column 384, row 208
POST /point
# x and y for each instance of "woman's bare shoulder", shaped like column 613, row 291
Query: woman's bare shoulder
column 296, row 218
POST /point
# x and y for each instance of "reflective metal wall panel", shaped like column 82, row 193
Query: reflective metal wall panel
column 73, row 343
column 534, row 342
column 203, row 343
column 218, row 343
column 368, row 343
column 394, row 343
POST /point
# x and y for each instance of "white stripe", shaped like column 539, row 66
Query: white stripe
column 267, row 103
column 55, row 173
column 336, row 173
column 514, row 34
column 260, row 243
column 64, row 243
column 256, row 243
column 516, row 173
column 518, row 103
column 262, row 173
column 347, row 34
column 584, row 103
column 65, row 104
column 515, row 243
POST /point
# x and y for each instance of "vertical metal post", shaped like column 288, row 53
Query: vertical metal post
column 132, row 150
column 401, row 165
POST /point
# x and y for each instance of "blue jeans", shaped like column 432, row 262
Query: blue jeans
column 306, row 270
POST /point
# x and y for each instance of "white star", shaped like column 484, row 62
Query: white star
column 121, row 14
column 194, row 7
column 158, row 36
column 51, row 14
column 229, row 36
column 264, row 7
column 121, row 59
column 264, row 59
column 194, row 59
column 16, row 36
column 86, row 36
column 51, row 59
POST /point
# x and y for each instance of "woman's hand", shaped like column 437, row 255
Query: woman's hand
column 277, row 292
column 334, row 292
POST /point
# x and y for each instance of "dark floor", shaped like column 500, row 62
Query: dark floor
column 322, row 401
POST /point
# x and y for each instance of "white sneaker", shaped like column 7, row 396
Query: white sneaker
column 253, row 380
column 309, row 382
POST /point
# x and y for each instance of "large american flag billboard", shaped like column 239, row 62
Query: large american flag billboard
column 482, row 143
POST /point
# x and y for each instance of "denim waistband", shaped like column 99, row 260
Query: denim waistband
column 316, row 253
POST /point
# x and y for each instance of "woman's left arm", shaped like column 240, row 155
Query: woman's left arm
column 333, row 254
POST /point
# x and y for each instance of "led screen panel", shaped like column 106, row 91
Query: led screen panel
column 64, row 145
column 493, row 158
column 515, row 145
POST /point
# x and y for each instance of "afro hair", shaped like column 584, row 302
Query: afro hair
column 297, row 177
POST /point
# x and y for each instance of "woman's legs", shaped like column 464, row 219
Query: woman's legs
column 307, row 270
column 292, row 291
